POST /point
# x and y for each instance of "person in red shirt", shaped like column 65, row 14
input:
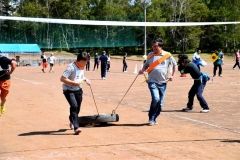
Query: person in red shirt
column 44, row 62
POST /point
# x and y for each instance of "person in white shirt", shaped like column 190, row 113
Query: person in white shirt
column 72, row 79
column 51, row 61
column 196, row 58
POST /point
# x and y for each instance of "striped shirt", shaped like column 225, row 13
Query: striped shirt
column 73, row 73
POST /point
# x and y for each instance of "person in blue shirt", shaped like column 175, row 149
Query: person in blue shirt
column 218, row 64
column 104, row 62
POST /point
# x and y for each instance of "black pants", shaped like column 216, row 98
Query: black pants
column 197, row 89
column 215, row 69
column 108, row 67
column 88, row 65
column 125, row 67
column 237, row 64
column 103, row 70
column 74, row 99
column 96, row 64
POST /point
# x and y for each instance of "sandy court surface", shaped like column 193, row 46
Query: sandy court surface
column 35, row 125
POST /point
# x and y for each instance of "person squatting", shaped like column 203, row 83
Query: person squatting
column 200, row 80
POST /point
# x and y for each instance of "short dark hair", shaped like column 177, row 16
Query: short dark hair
column 159, row 41
column 183, row 58
column 82, row 56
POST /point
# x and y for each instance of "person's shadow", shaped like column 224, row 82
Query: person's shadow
column 105, row 124
column 92, row 125
column 173, row 110
column 177, row 110
column 57, row 132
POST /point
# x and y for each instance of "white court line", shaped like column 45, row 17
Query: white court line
column 28, row 81
column 235, row 83
column 206, row 123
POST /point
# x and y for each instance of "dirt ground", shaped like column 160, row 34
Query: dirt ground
column 35, row 125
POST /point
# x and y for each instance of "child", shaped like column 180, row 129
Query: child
column 51, row 61
column 125, row 63
column 72, row 78
column 44, row 62
column 196, row 58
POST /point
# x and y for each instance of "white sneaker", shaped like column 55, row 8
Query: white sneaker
column 151, row 123
column 204, row 111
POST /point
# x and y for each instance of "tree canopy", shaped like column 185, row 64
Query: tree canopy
column 177, row 39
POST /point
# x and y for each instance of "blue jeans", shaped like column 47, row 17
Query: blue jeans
column 158, row 94
column 197, row 89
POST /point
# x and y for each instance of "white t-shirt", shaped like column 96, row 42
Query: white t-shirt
column 196, row 57
column 51, row 59
column 73, row 73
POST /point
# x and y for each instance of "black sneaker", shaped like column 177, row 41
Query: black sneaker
column 186, row 109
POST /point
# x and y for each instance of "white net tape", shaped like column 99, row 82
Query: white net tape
column 111, row 23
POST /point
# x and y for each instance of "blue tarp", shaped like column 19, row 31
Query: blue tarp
column 20, row 48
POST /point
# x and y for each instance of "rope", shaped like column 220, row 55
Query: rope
column 94, row 100
column 113, row 112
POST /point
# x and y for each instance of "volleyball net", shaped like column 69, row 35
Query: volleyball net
column 67, row 33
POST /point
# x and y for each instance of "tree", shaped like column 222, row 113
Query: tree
column 184, row 38
column 177, row 39
column 224, row 36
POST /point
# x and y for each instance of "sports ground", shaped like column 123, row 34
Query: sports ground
column 35, row 125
